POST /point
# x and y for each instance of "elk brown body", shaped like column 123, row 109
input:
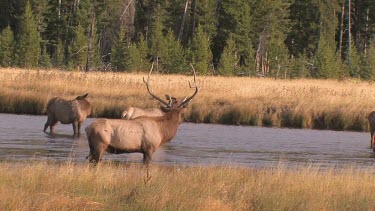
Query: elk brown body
column 371, row 119
column 143, row 134
column 134, row 112
column 67, row 112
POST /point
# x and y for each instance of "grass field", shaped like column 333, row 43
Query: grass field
column 302, row 103
column 39, row 185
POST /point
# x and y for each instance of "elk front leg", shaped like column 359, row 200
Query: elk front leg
column 147, row 156
column 75, row 127
column 372, row 139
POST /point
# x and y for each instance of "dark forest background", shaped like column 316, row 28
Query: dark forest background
column 272, row 38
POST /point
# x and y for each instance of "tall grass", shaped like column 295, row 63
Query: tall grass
column 302, row 103
column 67, row 186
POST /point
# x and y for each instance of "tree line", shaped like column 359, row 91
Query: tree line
column 273, row 38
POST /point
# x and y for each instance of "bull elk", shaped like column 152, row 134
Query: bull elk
column 134, row 112
column 67, row 112
column 371, row 119
column 143, row 134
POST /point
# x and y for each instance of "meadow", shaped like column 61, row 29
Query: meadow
column 42, row 185
column 300, row 103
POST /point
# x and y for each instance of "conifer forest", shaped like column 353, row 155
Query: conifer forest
column 270, row 38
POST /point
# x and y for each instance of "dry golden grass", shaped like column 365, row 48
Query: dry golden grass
column 66, row 186
column 302, row 103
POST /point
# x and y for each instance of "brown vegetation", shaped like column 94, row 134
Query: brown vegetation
column 67, row 186
column 302, row 103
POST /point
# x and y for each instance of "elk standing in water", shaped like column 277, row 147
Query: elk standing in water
column 143, row 134
column 371, row 119
column 67, row 112
column 134, row 112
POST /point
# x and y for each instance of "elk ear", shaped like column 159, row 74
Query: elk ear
column 82, row 97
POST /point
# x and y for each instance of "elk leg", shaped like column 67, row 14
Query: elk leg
column 96, row 151
column 48, row 123
column 52, row 126
column 75, row 127
column 79, row 127
column 147, row 155
column 372, row 138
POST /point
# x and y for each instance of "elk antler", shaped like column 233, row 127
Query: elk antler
column 186, row 100
column 149, row 88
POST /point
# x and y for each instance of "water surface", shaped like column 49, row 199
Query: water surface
column 22, row 138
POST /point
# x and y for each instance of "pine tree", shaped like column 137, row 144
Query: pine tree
column 28, row 47
column 58, row 58
column 174, row 59
column 201, row 52
column 45, row 59
column 157, row 44
column 371, row 59
column 354, row 62
column 78, row 50
column 118, row 51
column 229, row 61
column 133, row 59
column 325, row 60
column 143, row 49
column 6, row 47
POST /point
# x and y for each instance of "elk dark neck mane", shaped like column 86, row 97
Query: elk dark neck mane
column 168, row 125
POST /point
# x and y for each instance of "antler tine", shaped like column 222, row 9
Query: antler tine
column 186, row 100
column 149, row 88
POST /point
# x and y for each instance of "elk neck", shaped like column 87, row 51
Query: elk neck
column 169, row 124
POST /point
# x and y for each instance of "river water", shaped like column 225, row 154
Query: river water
column 21, row 138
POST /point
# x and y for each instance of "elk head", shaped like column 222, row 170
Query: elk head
column 173, row 104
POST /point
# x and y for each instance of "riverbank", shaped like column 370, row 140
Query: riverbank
column 40, row 185
column 302, row 103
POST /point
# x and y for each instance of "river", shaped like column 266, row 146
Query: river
column 22, row 138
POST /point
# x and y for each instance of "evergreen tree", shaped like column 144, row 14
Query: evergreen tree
column 236, row 19
column 118, row 51
column 157, row 44
column 229, row 61
column 28, row 47
column 174, row 60
column 325, row 60
column 143, row 49
column 58, row 58
column 45, row 59
column 6, row 47
column 78, row 50
column 133, row 60
column 371, row 59
column 201, row 52
column 354, row 62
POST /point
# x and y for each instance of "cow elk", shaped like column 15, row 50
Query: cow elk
column 134, row 112
column 67, row 112
column 371, row 119
column 143, row 134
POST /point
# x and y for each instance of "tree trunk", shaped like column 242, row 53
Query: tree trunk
column 59, row 9
column 91, row 36
column 341, row 29
column 349, row 33
column 183, row 20
column 194, row 18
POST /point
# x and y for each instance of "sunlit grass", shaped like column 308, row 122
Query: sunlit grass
column 302, row 103
column 39, row 185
